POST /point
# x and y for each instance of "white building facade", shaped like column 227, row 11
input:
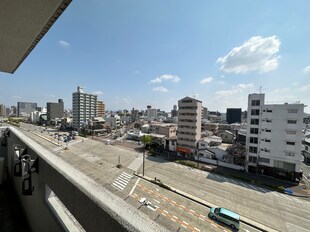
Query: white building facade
column 84, row 107
column 274, row 138
column 189, row 125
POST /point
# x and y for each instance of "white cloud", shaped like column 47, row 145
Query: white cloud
column 49, row 95
column 307, row 70
column 64, row 44
column 305, row 88
column 173, row 78
column 160, row 89
column 256, row 54
column 235, row 89
column 18, row 97
column 98, row 93
column 206, row 80
column 156, row 80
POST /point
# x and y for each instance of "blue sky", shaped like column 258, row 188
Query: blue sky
column 137, row 53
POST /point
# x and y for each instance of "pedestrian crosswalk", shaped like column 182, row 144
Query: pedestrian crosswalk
column 136, row 164
column 57, row 149
column 223, row 179
column 121, row 181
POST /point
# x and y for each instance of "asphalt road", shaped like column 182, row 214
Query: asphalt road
column 98, row 161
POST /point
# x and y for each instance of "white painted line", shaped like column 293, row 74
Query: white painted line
column 182, row 206
column 172, row 219
column 119, row 187
column 165, row 211
column 163, row 214
column 120, row 183
column 173, row 201
column 183, row 226
column 263, row 190
column 175, row 217
column 214, row 225
column 202, row 219
column 244, row 185
column 151, row 208
column 196, row 229
column 156, row 201
column 185, row 222
column 126, row 174
column 202, row 216
column 125, row 177
column 255, row 188
column 135, row 185
column 233, row 181
column 295, row 199
column 192, row 211
column 286, row 197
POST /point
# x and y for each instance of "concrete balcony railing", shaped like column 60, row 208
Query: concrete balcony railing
column 57, row 197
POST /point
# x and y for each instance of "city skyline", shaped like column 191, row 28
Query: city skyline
column 135, row 54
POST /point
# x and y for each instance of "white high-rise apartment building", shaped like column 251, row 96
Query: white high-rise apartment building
column 189, row 125
column 84, row 107
column 274, row 136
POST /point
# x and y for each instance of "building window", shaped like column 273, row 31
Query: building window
column 253, row 149
column 267, row 140
column 291, row 132
column 264, row 160
column 289, row 153
column 254, row 121
column 253, row 140
column 268, row 120
column 268, row 130
column 252, row 159
column 292, row 111
column 254, row 131
column 269, row 111
column 255, row 102
column 291, row 121
column 290, row 143
column 254, row 112
column 306, row 147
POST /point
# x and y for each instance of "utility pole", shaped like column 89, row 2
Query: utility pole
column 143, row 161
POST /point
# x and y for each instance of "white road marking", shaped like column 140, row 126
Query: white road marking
column 135, row 185
column 166, row 211
column 185, row 222
column 196, row 229
column 156, row 201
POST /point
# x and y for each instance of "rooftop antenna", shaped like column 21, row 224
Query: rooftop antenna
column 260, row 89
column 194, row 94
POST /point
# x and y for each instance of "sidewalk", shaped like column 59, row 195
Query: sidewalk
column 243, row 219
column 295, row 189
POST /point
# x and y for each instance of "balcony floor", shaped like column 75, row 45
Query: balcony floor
column 12, row 218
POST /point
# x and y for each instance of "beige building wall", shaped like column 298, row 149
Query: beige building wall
column 189, row 124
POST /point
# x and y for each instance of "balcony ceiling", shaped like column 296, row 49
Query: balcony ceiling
column 22, row 26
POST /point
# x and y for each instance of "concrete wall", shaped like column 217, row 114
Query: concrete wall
column 94, row 207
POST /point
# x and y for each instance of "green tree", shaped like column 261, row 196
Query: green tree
column 146, row 140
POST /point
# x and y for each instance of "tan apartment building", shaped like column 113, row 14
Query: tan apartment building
column 210, row 126
column 100, row 109
column 189, row 125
